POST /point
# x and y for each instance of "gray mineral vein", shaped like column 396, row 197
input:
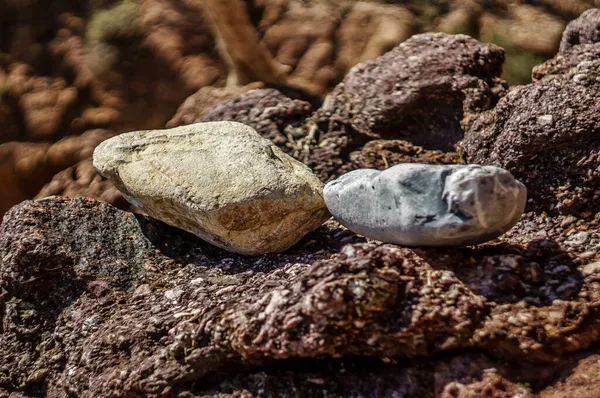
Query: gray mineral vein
column 427, row 205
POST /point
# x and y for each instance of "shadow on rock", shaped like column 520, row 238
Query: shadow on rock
column 503, row 273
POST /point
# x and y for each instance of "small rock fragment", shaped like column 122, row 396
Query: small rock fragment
column 427, row 205
column 221, row 181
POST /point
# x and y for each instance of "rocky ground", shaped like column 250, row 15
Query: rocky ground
column 98, row 301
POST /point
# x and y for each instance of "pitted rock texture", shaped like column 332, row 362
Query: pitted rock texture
column 219, row 180
column 546, row 134
column 580, row 63
column 583, row 30
column 426, row 91
column 270, row 112
column 92, row 294
column 200, row 103
column 427, row 205
column 405, row 94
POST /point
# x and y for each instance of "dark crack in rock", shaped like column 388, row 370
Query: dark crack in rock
column 382, row 154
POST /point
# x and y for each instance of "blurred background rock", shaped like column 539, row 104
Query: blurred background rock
column 74, row 72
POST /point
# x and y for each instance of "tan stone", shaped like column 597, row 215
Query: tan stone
column 221, row 181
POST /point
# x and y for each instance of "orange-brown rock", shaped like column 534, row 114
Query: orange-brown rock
column 26, row 167
column 83, row 180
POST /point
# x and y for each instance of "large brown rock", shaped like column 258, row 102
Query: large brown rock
column 87, row 283
column 425, row 91
column 420, row 91
column 583, row 30
column 546, row 133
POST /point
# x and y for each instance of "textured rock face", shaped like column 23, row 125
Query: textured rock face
column 421, row 90
column 92, row 293
column 268, row 111
column 220, row 181
column 381, row 154
column 200, row 103
column 546, row 133
column 426, row 90
column 583, row 30
column 425, row 205
column 99, row 302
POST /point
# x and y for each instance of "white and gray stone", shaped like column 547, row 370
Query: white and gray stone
column 221, row 181
column 427, row 205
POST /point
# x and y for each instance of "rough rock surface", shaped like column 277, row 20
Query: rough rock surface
column 583, row 30
column 427, row 205
column 425, row 91
column 381, row 154
column 200, row 103
column 270, row 112
column 546, row 133
column 221, row 181
column 409, row 87
column 584, row 58
column 123, row 292
column 95, row 301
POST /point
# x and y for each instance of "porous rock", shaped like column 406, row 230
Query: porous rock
column 409, row 93
column 114, row 281
column 583, row 30
column 221, row 181
column 546, row 133
column 91, row 295
column 201, row 102
column 268, row 111
column 427, row 205
column 426, row 91
column 382, row 154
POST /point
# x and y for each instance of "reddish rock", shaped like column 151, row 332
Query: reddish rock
column 546, row 133
column 26, row 167
column 204, row 100
column 583, row 30
column 425, row 91
column 581, row 380
column 83, row 180
column 182, row 309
